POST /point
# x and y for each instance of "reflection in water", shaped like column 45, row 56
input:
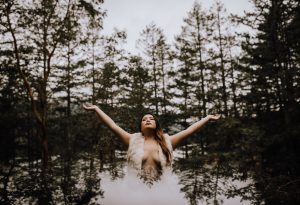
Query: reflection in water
column 206, row 179
column 86, row 180
column 150, row 175
column 88, row 183
column 190, row 183
column 131, row 190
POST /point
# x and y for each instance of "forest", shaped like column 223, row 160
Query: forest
column 54, row 58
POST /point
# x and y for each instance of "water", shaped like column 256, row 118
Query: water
column 85, row 181
column 183, row 187
column 132, row 191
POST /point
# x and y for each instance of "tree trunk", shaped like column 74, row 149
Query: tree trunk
column 224, row 94
column 155, row 83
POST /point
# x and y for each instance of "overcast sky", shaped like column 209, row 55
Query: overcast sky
column 134, row 15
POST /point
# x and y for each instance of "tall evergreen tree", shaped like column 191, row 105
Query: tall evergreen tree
column 198, row 36
column 45, row 28
column 148, row 42
column 135, row 92
column 219, row 21
column 107, row 82
column 273, row 68
column 191, row 74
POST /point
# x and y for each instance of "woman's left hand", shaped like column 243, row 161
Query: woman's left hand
column 89, row 107
column 214, row 117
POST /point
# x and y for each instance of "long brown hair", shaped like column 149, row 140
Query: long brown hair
column 159, row 137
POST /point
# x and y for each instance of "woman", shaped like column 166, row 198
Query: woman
column 150, row 150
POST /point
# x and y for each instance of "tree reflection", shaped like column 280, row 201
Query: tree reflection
column 210, row 178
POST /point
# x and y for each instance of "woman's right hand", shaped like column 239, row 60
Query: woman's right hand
column 107, row 121
column 89, row 107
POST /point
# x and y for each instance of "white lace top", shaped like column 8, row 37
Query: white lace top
column 135, row 154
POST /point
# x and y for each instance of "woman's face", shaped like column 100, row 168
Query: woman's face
column 148, row 122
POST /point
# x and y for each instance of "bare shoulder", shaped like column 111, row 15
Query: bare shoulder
column 134, row 135
column 166, row 135
column 126, row 137
column 168, row 140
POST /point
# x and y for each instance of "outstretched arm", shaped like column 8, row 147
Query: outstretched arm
column 179, row 137
column 125, row 136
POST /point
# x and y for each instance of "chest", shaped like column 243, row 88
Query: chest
column 151, row 150
column 140, row 150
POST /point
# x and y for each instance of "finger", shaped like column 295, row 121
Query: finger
column 87, row 105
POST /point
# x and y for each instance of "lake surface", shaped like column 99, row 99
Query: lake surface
column 195, row 180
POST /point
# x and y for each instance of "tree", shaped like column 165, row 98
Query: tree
column 46, row 28
column 219, row 20
column 148, row 42
column 271, row 59
column 135, row 88
column 39, row 28
column 192, row 65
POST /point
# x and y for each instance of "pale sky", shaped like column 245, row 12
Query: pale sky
column 134, row 15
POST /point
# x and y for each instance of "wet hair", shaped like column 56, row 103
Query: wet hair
column 159, row 137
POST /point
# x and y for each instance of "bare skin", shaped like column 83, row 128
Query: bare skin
column 151, row 158
column 148, row 125
column 151, row 165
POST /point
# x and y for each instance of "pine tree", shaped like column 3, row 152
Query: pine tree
column 192, row 71
column 107, row 83
column 45, row 28
column 219, row 20
column 148, row 42
column 135, row 84
column 273, row 68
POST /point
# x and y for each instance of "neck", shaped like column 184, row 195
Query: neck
column 149, row 134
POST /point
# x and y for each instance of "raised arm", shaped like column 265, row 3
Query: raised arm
column 125, row 136
column 179, row 137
